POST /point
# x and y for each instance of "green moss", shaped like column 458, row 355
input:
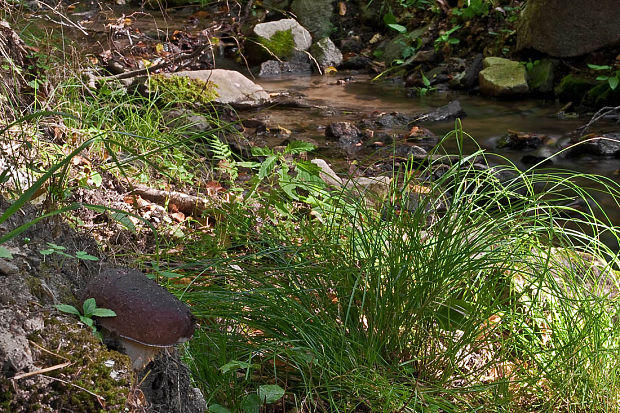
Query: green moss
column 181, row 89
column 93, row 367
column 572, row 88
column 602, row 95
column 281, row 43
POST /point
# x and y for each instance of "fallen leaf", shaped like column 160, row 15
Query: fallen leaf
column 342, row 8
column 330, row 69
column 178, row 216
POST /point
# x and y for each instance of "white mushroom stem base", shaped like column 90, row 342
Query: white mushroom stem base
column 140, row 354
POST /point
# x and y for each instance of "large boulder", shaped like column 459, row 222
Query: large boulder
column 231, row 87
column 314, row 15
column 562, row 28
column 502, row 78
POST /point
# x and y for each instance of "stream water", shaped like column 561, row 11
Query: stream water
column 486, row 120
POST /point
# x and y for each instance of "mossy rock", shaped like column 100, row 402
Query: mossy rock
column 88, row 377
column 602, row 95
column 281, row 43
column 181, row 89
column 572, row 88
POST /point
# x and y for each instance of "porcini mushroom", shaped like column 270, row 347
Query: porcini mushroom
column 148, row 317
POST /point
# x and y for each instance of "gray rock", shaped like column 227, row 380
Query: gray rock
column 468, row 78
column 565, row 29
column 273, row 68
column 521, row 140
column 605, row 145
column 232, row 87
column 187, row 120
column 315, row 15
column 450, row 111
column 502, row 78
column 301, row 36
column 356, row 63
column 346, row 133
column 541, row 156
column 326, row 53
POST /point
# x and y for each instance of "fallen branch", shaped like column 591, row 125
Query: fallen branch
column 187, row 204
column 142, row 72
column 602, row 112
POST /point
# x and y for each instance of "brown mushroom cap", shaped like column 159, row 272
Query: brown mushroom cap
column 145, row 311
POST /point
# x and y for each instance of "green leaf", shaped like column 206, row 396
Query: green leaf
column 56, row 247
column 83, row 255
column 66, row 308
column 599, row 67
column 87, row 320
column 97, row 179
column 235, row 365
column 267, row 166
column 613, row 82
column 124, row 220
column 425, row 80
column 251, row 403
column 398, row 27
column 389, row 18
column 452, row 315
column 602, row 77
column 217, row 408
column 89, row 306
column 270, row 393
column 299, row 147
column 47, row 252
column 103, row 312
column 256, row 151
column 4, row 253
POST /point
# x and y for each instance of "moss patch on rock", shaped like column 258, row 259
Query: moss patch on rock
column 281, row 43
column 173, row 89
column 94, row 380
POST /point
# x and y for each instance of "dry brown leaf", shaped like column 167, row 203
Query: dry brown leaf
column 342, row 8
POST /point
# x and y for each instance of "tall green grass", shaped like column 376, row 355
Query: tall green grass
column 482, row 295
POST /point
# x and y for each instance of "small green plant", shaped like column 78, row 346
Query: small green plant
column 60, row 250
column 223, row 154
column 474, row 9
column 290, row 177
column 529, row 65
column 89, row 310
column 446, row 39
column 612, row 78
column 252, row 401
column 427, row 88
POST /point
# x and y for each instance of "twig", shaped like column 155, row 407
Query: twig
column 46, row 350
column 144, row 71
column 41, row 371
column 99, row 398
column 62, row 16
column 602, row 112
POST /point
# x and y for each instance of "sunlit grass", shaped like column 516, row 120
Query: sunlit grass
column 486, row 294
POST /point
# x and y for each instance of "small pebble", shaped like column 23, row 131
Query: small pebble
column 7, row 268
